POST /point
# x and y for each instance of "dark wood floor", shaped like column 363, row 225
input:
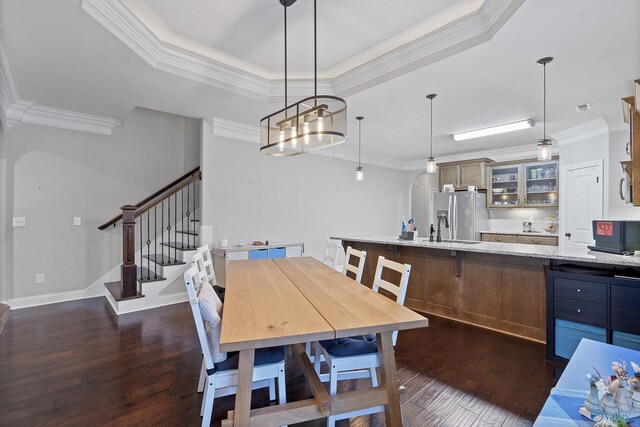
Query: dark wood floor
column 77, row 364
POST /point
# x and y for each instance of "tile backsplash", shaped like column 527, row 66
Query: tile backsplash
column 511, row 219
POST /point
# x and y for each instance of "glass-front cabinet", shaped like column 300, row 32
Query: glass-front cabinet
column 523, row 185
column 505, row 186
column 541, row 184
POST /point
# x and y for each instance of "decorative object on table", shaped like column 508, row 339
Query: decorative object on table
column 552, row 224
column 612, row 398
column 313, row 123
column 448, row 188
column 544, row 144
column 359, row 169
column 431, row 161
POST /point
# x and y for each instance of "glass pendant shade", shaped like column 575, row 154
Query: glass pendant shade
column 310, row 124
column 544, row 149
column 431, row 165
column 359, row 173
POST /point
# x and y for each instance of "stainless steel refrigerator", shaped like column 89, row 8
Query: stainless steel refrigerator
column 466, row 211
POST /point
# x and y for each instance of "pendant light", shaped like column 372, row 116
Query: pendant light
column 316, row 122
column 544, row 144
column 359, row 169
column 431, row 161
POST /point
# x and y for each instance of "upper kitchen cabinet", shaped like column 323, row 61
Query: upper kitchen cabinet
column 504, row 188
column 463, row 174
column 541, row 184
column 523, row 185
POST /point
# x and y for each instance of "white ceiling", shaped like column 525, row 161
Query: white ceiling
column 63, row 58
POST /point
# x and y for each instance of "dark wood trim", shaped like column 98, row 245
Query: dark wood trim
column 158, row 193
column 174, row 190
column 129, row 268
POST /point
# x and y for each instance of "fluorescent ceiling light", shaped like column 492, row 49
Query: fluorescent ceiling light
column 494, row 130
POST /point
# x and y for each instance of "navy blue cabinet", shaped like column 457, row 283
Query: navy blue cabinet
column 600, row 307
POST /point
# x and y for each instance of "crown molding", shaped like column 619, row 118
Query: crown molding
column 8, row 86
column 122, row 23
column 581, row 132
column 461, row 34
column 236, row 130
column 72, row 120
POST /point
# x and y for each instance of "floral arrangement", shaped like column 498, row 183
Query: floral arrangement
column 634, row 381
column 611, row 423
column 620, row 369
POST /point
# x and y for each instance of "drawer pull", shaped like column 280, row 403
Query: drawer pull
column 579, row 310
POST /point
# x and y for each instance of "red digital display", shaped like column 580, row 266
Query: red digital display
column 604, row 228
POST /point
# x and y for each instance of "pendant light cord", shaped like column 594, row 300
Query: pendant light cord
column 285, row 58
column 359, row 139
column 431, row 154
column 315, row 52
column 544, row 100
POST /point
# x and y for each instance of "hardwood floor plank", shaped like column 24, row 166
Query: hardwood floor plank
column 77, row 364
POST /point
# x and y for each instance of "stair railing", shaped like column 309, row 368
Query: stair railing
column 146, row 219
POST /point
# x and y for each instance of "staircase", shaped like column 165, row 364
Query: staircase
column 159, row 236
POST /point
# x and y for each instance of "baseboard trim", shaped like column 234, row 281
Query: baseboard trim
column 36, row 300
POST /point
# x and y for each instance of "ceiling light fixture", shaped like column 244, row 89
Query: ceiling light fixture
column 316, row 122
column 359, row 169
column 431, row 161
column 494, row 130
column 544, row 144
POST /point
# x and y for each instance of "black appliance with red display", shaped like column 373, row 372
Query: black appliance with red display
column 616, row 237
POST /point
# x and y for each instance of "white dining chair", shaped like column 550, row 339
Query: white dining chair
column 334, row 254
column 357, row 357
column 358, row 269
column 202, row 259
column 221, row 369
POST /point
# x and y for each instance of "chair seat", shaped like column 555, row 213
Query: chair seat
column 351, row 346
column 263, row 356
column 219, row 291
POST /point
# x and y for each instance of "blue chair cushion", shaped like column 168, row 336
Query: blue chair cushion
column 351, row 346
column 263, row 356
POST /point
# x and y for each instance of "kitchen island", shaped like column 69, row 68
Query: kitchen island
column 500, row 286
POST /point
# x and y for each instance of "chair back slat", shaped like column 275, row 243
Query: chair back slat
column 190, row 281
column 202, row 259
column 355, row 269
column 333, row 253
column 400, row 289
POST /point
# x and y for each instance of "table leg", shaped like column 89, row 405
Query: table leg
column 243, row 391
column 392, row 412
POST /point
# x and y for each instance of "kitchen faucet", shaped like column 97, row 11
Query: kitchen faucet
column 446, row 224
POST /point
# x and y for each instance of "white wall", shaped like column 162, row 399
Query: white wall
column 248, row 196
column 58, row 174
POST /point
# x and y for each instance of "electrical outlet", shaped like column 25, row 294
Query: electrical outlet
column 19, row 221
column 40, row 278
column 77, row 220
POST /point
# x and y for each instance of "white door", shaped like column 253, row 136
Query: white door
column 583, row 189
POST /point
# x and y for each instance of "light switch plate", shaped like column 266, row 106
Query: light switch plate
column 77, row 220
column 40, row 278
column 19, row 221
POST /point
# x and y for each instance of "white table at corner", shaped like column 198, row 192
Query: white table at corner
column 566, row 398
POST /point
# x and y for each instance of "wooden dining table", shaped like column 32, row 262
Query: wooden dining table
column 291, row 301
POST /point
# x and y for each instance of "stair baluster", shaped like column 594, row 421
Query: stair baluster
column 141, row 253
column 148, row 250
column 182, row 216
column 175, row 226
column 188, row 219
column 155, row 240
column 195, row 195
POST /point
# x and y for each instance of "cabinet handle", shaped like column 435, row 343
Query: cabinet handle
column 579, row 310
column 578, row 290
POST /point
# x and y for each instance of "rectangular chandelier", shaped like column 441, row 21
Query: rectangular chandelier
column 494, row 130
column 310, row 124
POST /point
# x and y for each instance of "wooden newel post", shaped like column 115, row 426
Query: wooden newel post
column 129, row 268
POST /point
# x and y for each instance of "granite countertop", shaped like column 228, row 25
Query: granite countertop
column 513, row 249
column 521, row 233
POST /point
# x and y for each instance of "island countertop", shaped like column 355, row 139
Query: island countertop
column 513, row 249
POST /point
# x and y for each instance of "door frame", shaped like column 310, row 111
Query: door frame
column 599, row 164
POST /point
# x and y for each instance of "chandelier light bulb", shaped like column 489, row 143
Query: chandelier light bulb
column 294, row 141
column 320, row 125
column 281, row 146
column 359, row 174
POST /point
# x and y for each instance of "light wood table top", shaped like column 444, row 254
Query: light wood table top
column 263, row 308
column 350, row 308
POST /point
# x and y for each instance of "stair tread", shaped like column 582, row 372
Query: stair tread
column 163, row 260
column 195, row 220
column 143, row 273
column 115, row 289
column 179, row 246
column 191, row 233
